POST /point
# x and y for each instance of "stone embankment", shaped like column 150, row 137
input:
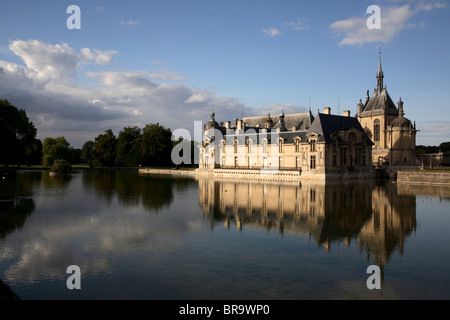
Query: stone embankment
column 428, row 177
column 169, row 172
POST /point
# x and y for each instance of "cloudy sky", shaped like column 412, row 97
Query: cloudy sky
column 139, row 62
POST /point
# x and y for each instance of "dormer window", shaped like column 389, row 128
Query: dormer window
column 313, row 145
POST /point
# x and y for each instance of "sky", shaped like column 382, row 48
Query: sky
column 133, row 63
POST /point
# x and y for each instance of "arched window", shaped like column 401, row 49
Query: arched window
column 376, row 130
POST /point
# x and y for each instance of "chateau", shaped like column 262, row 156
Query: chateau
column 301, row 146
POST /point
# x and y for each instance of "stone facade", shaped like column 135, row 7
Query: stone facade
column 323, row 147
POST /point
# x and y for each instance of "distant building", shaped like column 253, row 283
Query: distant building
column 394, row 136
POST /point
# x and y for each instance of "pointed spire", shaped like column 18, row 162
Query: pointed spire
column 380, row 75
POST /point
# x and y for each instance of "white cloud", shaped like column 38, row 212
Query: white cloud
column 394, row 19
column 100, row 57
column 296, row 25
column 46, row 61
column 129, row 22
column 272, row 32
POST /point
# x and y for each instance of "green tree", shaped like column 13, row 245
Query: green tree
column 105, row 149
column 17, row 134
column 87, row 153
column 156, row 145
column 444, row 146
column 129, row 147
column 55, row 149
column 33, row 152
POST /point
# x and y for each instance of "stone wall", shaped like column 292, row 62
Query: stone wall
column 424, row 177
column 169, row 172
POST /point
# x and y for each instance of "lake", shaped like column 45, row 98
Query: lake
column 151, row 237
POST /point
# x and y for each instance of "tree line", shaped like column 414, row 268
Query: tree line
column 149, row 146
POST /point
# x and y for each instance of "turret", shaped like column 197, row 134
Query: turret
column 401, row 113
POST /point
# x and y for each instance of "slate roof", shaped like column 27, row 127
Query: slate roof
column 378, row 99
column 271, row 136
column 327, row 124
column 300, row 120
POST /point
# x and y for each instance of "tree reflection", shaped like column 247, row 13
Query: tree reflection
column 16, row 202
column 154, row 192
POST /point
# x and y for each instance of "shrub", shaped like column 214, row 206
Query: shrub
column 61, row 166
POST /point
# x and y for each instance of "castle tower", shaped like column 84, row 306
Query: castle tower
column 393, row 135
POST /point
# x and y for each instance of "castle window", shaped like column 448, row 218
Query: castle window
column 249, row 143
column 376, row 130
column 264, row 146
column 313, row 162
column 313, row 145
column 297, row 145
column 280, row 145
column 235, row 146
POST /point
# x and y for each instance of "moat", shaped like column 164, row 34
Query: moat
column 137, row 236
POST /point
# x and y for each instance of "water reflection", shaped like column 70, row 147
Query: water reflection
column 155, row 193
column 376, row 217
column 16, row 202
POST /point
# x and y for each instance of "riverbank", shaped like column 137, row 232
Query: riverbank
column 429, row 177
column 6, row 293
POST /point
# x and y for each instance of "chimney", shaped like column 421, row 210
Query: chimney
column 227, row 124
column 327, row 110
column 347, row 113
column 221, row 124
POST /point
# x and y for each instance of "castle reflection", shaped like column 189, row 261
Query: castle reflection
column 374, row 216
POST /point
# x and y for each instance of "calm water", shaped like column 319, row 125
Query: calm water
column 150, row 237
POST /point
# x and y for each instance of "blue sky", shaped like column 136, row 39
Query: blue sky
column 172, row 62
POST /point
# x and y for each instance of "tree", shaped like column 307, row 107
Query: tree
column 33, row 152
column 444, row 146
column 105, row 149
column 55, row 149
column 129, row 147
column 17, row 134
column 156, row 145
column 87, row 153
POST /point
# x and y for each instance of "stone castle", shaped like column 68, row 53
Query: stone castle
column 302, row 146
